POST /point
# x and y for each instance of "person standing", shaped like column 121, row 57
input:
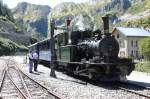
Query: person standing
column 35, row 58
column 30, row 61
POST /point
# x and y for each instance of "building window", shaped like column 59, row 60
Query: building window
column 136, row 43
column 122, row 53
column 137, row 54
column 131, row 43
column 132, row 53
column 121, row 44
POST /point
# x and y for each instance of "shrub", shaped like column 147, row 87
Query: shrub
column 144, row 47
column 8, row 47
column 143, row 66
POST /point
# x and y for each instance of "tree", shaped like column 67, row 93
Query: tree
column 6, row 12
column 1, row 7
column 145, row 48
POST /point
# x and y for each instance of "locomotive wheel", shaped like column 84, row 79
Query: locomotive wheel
column 123, row 77
column 92, row 76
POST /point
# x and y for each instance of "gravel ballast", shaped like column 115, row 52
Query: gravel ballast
column 71, row 88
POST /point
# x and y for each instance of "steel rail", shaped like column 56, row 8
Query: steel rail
column 24, row 84
column 3, row 77
column 8, row 74
column 134, row 92
column 44, row 87
column 24, row 96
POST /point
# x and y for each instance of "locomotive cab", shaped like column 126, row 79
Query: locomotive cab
column 65, row 52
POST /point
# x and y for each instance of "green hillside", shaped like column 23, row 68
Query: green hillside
column 12, row 37
column 139, row 7
column 8, row 47
column 143, row 22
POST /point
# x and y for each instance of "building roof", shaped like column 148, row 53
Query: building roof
column 133, row 31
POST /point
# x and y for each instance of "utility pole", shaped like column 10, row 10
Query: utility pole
column 53, row 53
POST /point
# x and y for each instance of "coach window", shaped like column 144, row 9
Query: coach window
column 45, row 45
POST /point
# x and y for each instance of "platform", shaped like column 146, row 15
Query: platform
column 140, row 78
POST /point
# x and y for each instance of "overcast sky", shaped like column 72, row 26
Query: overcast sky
column 52, row 3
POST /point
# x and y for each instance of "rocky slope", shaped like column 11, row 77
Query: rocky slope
column 12, row 37
column 11, row 31
column 34, row 17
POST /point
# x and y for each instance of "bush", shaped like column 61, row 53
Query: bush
column 143, row 67
column 8, row 47
column 144, row 47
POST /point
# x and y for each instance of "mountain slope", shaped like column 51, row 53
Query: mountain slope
column 11, row 31
column 33, row 16
column 12, row 37
column 97, row 8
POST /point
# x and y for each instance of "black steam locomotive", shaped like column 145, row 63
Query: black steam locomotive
column 86, row 53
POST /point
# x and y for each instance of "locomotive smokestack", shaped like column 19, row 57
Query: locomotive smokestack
column 106, row 25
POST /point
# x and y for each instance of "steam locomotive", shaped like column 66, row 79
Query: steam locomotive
column 86, row 53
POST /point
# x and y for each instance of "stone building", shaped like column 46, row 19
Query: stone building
column 128, row 39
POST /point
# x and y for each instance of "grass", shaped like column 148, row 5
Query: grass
column 143, row 67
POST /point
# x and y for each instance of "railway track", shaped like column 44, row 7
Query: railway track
column 31, row 89
column 8, row 88
column 132, row 88
column 135, row 89
column 23, row 87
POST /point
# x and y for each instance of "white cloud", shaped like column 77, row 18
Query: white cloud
column 11, row 3
column 52, row 3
